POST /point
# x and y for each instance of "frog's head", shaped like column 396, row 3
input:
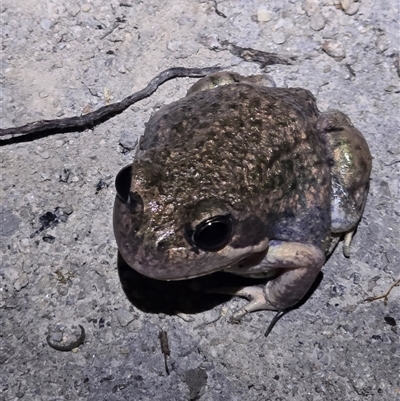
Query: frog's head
column 177, row 234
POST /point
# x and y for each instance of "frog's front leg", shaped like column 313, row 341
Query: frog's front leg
column 299, row 264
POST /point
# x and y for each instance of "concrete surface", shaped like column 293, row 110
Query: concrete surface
column 65, row 58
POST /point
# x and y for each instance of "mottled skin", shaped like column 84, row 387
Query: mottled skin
column 291, row 181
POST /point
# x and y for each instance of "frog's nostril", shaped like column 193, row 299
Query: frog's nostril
column 213, row 234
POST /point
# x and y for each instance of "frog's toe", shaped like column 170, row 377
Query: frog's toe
column 348, row 237
column 257, row 301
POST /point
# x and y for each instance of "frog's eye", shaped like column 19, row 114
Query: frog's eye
column 213, row 234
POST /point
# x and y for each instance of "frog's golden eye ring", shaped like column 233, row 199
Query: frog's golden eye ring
column 213, row 234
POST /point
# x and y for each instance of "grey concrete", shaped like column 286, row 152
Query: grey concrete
column 64, row 58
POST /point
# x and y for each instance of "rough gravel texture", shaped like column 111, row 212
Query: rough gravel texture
column 59, row 257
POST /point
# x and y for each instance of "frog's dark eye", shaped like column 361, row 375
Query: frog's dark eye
column 213, row 234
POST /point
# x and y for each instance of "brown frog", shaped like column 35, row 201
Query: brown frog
column 243, row 178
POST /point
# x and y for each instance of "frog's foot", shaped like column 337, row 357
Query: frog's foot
column 347, row 239
column 257, row 301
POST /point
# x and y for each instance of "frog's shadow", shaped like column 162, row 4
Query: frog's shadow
column 186, row 296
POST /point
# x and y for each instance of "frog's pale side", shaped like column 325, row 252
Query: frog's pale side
column 243, row 178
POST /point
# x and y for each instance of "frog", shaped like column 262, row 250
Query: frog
column 243, row 177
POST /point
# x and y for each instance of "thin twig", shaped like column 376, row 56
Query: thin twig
column 385, row 295
column 163, row 337
column 391, row 164
column 89, row 120
column 113, row 27
column 260, row 57
column 275, row 320
column 220, row 13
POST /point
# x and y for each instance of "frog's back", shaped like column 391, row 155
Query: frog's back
column 254, row 148
column 239, row 112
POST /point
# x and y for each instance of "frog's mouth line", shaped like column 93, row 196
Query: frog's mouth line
column 239, row 267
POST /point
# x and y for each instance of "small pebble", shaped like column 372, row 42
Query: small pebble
column 124, row 317
column 345, row 4
column 333, row 49
column 56, row 337
column 46, row 24
column 57, row 64
column 86, row 8
column 213, row 352
column 44, row 155
column 62, row 290
column 224, row 311
column 382, row 43
column 128, row 140
column 46, row 176
column 310, row 7
column 349, row 6
column 122, row 69
column 21, row 282
column 278, row 37
column 285, row 23
column 317, row 21
column 263, row 15
column 68, row 209
column 49, row 239
column 73, row 11
column 24, row 245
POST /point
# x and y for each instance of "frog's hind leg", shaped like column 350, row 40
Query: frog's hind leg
column 350, row 165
